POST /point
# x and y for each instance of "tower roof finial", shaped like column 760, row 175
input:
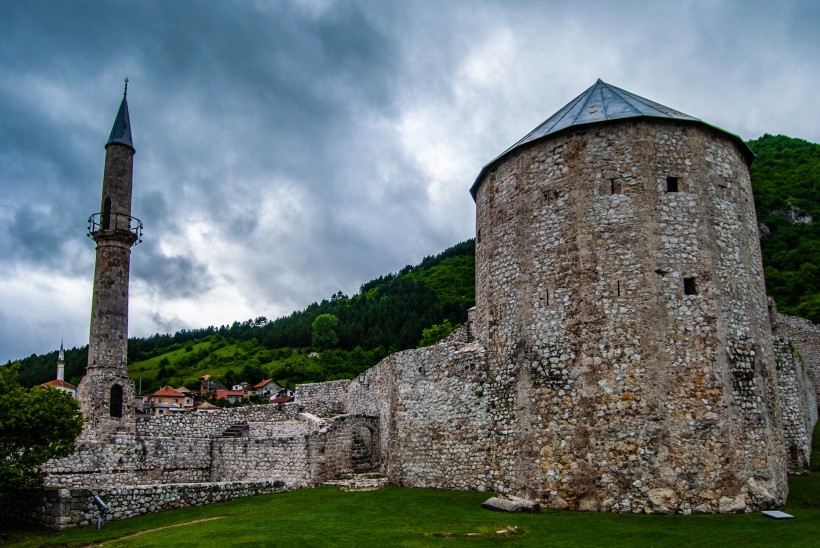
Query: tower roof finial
column 125, row 91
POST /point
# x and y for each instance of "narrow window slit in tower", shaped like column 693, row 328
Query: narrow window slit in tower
column 106, row 217
column 478, row 237
column 672, row 184
column 618, row 288
column 690, row 287
column 615, row 186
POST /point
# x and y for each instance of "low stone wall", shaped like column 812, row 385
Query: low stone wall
column 62, row 508
column 280, row 459
column 203, row 424
column 128, row 460
column 325, row 399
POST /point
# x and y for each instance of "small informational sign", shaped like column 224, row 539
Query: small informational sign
column 777, row 514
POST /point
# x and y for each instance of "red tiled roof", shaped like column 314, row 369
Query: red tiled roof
column 282, row 399
column 222, row 394
column 169, row 392
column 260, row 384
column 58, row 382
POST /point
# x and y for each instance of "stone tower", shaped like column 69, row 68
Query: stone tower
column 106, row 394
column 620, row 298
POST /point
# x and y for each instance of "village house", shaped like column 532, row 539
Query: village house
column 284, row 395
column 232, row 396
column 245, row 387
column 171, row 396
column 266, row 388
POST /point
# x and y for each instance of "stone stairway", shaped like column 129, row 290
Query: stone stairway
column 238, row 430
column 348, row 481
column 362, row 460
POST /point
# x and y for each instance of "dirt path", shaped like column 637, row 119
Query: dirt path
column 132, row 535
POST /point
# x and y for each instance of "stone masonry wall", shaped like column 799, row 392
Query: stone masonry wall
column 215, row 422
column 281, row 459
column 324, row 399
column 127, row 460
column 432, row 412
column 62, row 508
column 806, row 338
column 630, row 359
column 798, row 402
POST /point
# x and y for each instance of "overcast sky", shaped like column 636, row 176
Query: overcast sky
column 289, row 150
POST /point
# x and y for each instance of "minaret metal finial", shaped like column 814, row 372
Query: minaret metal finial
column 125, row 91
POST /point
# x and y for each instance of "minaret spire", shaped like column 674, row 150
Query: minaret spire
column 121, row 131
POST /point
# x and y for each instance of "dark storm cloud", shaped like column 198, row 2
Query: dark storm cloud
column 179, row 277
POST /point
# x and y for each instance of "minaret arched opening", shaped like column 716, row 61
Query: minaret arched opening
column 115, row 405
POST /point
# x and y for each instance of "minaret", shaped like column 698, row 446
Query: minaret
column 106, row 394
column 61, row 363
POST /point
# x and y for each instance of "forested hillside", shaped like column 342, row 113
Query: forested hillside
column 386, row 315
column 390, row 312
column 786, row 181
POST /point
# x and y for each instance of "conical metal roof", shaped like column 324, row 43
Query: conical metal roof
column 602, row 102
column 121, row 132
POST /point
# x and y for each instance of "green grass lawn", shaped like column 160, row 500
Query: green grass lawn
column 396, row 516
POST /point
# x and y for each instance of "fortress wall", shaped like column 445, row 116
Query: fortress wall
column 432, row 414
column 62, row 508
column 282, row 459
column 630, row 360
column 806, row 338
column 126, row 460
column 332, row 447
column 192, row 453
column 798, row 401
column 202, row 424
column 324, row 399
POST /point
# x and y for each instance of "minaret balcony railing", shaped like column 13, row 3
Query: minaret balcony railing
column 113, row 223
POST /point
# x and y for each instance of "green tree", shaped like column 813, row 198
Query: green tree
column 36, row 424
column 435, row 333
column 324, row 331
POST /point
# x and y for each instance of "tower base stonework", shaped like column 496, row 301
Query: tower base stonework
column 102, row 411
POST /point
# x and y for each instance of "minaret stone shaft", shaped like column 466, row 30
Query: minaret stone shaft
column 106, row 394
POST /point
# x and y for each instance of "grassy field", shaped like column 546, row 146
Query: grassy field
column 396, row 516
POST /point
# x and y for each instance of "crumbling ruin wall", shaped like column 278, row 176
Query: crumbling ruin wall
column 432, row 411
column 205, row 424
column 324, row 399
column 128, row 460
column 343, row 444
column 797, row 389
column 806, row 339
column 280, row 459
column 620, row 297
